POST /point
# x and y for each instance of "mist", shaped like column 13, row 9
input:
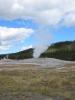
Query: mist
column 43, row 39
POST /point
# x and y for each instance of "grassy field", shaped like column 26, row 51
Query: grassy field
column 38, row 84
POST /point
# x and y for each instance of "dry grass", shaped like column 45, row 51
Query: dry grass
column 24, row 84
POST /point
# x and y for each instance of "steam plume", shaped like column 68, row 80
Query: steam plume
column 43, row 38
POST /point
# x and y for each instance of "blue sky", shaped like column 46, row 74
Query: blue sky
column 35, row 23
column 58, row 34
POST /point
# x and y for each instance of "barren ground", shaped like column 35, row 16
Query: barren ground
column 37, row 79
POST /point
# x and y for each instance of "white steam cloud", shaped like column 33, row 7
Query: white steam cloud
column 43, row 38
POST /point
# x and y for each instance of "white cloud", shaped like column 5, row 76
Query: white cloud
column 10, row 35
column 70, row 19
column 50, row 17
column 45, row 11
column 14, row 33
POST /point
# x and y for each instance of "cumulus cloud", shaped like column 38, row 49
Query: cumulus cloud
column 9, row 35
column 45, row 11
column 50, row 17
column 14, row 33
column 70, row 19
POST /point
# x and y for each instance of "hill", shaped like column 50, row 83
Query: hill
column 19, row 55
column 61, row 50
